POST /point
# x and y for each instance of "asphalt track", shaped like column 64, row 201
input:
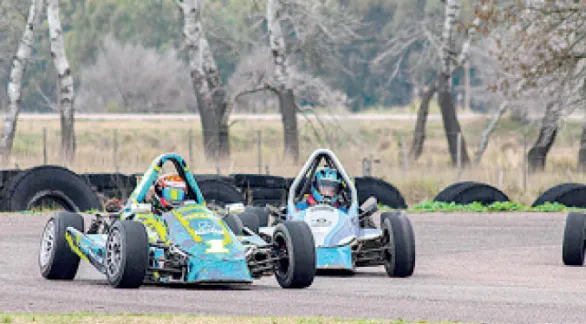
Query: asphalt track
column 502, row 268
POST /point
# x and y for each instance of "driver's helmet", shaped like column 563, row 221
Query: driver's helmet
column 326, row 185
column 171, row 190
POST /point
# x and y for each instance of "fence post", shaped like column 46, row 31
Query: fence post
column 190, row 145
column 404, row 156
column 259, row 145
column 45, row 158
column 115, row 141
column 524, row 161
column 459, row 155
column 366, row 167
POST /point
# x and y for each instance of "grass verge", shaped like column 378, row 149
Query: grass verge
column 83, row 318
column 476, row 207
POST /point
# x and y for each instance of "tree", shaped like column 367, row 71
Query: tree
column 208, row 86
column 445, row 95
column 66, row 93
column 110, row 85
column 287, row 104
column 318, row 28
column 542, row 46
column 19, row 66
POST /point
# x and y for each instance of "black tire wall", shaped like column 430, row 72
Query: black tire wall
column 66, row 187
column 567, row 194
column 468, row 192
column 385, row 193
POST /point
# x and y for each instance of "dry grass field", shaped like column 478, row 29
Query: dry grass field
column 140, row 141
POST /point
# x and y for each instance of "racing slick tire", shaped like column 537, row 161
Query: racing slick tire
column 55, row 184
column 249, row 220
column 234, row 224
column 126, row 259
column 56, row 259
column 399, row 237
column 297, row 267
column 573, row 245
column 261, row 213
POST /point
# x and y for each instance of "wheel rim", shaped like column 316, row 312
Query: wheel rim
column 113, row 253
column 390, row 243
column 282, row 265
column 47, row 243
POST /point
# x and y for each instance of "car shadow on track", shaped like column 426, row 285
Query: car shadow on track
column 358, row 274
column 186, row 286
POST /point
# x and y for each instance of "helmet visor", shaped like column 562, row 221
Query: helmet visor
column 328, row 188
column 173, row 195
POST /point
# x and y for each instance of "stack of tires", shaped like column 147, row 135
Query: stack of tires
column 112, row 185
column 567, row 194
column 46, row 187
column 261, row 190
column 218, row 190
column 467, row 192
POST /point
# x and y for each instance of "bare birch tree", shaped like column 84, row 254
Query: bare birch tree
column 287, row 104
column 543, row 45
column 65, row 92
column 208, row 87
column 19, row 65
column 321, row 27
column 445, row 94
column 439, row 55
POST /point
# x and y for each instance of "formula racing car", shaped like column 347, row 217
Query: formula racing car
column 345, row 235
column 166, row 233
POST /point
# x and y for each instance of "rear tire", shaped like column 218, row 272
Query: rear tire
column 573, row 245
column 234, row 223
column 249, row 220
column 294, row 241
column 399, row 237
column 127, row 256
column 56, row 259
column 262, row 213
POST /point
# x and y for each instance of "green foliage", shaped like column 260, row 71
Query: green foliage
column 476, row 207
column 234, row 28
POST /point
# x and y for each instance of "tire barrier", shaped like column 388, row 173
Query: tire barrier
column 48, row 187
column 467, row 192
column 567, row 194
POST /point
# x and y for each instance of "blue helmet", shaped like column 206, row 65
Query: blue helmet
column 326, row 185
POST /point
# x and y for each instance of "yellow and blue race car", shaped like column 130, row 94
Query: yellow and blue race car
column 151, row 240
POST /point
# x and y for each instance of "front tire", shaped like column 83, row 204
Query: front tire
column 400, row 240
column 126, row 258
column 573, row 245
column 56, row 259
column 294, row 243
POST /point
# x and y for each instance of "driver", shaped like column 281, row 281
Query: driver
column 325, row 189
column 168, row 192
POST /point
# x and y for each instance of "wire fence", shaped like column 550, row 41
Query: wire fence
column 370, row 150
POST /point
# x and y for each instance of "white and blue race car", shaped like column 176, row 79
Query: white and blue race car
column 345, row 235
